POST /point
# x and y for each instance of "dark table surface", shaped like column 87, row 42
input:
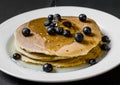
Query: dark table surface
column 10, row 8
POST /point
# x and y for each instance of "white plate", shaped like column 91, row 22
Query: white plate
column 108, row 23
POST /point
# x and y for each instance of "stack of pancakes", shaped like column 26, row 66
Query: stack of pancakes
column 58, row 50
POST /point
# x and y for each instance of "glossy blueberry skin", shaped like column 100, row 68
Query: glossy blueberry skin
column 16, row 56
column 47, row 22
column 67, row 24
column 57, row 17
column 51, row 30
column 47, row 67
column 105, row 47
column 105, row 39
column 53, row 24
column 92, row 61
column 79, row 37
column 66, row 33
column 59, row 30
column 82, row 17
column 50, row 17
column 26, row 32
column 87, row 30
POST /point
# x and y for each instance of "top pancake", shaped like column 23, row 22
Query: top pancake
column 41, row 42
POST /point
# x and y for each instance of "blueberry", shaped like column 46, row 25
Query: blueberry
column 51, row 30
column 47, row 22
column 57, row 17
column 92, row 61
column 50, row 17
column 66, row 33
column 67, row 24
column 53, row 24
column 79, row 37
column 87, row 30
column 16, row 56
column 105, row 47
column 82, row 17
column 105, row 39
column 26, row 32
column 47, row 67
column 59, row 30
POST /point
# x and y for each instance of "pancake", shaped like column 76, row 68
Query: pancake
column 81, row 60
column 41, row 42
column 44, row 57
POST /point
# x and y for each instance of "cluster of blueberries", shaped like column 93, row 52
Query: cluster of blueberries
column 52, row 28
column 51, row 25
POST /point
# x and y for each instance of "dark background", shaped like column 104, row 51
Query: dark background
column 10, row 8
